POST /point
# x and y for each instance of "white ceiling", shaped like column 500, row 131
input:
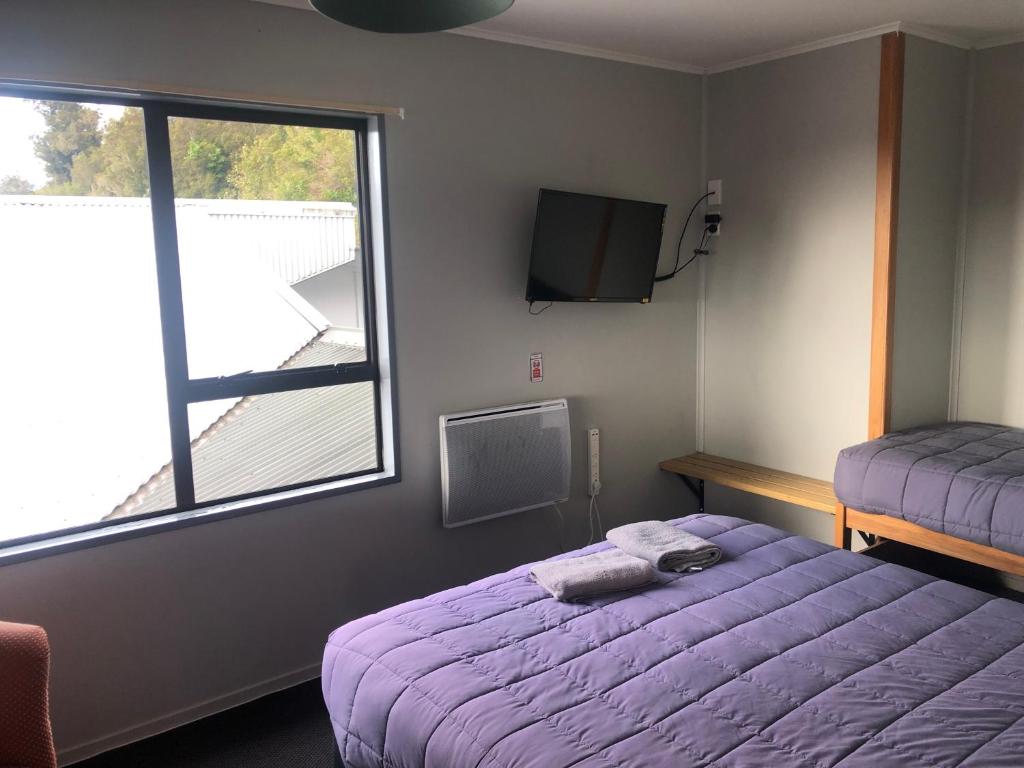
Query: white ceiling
column 711, row 35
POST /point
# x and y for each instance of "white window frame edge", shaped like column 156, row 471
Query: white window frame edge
column 381, row 269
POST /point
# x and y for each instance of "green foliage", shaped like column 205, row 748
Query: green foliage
column 117, row 167
column 297, row 163
column 211, row 159
column 15, row 185
column 71, row 129
column 203, row 153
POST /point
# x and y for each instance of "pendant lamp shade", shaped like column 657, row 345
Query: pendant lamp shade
column 410, row 15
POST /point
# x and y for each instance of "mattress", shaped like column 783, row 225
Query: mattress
column 787, row 653
column 966, row 480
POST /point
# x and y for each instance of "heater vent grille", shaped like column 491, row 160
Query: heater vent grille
column 504, row 460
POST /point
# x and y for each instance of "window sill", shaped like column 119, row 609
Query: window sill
column 130, row 529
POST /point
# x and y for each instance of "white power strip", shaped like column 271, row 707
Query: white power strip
column 594, row 454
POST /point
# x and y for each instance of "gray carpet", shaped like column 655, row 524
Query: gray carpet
column 284, row 729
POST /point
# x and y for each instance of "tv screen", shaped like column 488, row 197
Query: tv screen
column 589, row 248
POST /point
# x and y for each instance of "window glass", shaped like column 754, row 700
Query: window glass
column 262, row 442
column 268, row 249
column 268, row 237
column 85, row 401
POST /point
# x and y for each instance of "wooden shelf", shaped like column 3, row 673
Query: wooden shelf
column 773, row 483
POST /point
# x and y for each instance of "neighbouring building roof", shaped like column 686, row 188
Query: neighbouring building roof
column 295, row 239
column 83, row 289
column 269, row 441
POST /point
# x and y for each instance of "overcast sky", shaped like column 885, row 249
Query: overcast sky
column 19, row 122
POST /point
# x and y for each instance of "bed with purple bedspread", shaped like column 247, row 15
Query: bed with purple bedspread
column 966, row 480
column 787, row 653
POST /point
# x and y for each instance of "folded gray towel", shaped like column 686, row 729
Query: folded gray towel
column 608, row 571
column 664, row 546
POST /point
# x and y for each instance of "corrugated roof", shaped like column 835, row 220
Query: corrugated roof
column 269, row 441
column 215, row 206
column 295, row 239
column 96, row 298
column 73, row 201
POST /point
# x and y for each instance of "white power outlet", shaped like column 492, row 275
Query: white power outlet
column 715, row 192
column 594, row 454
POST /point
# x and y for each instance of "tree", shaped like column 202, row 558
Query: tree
column 118, row 166
column 210, row 159
column 298, row 163
column 15, row 185
column 71, row 129
column 204, row 152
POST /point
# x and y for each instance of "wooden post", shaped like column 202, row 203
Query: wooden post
column 887, row 193
column 843, row 537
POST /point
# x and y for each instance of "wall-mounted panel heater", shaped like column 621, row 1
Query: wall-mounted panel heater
column 502, row 460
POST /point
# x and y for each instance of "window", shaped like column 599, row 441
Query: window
column 191, row 311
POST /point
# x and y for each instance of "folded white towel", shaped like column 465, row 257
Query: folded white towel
column 609, row 571
column 664, row 546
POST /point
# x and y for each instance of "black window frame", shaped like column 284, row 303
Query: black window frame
column 182, row 391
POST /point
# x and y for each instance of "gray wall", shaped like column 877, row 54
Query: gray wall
column 991, row 366
column 149, row 632
column 931, row 172
column 789, row 281
column 337, row 294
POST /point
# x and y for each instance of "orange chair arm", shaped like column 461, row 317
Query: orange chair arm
column 26, row 739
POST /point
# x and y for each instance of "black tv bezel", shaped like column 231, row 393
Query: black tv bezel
column 596, row 299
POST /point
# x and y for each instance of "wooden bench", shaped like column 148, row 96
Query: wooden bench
column 803, row 491
column 773, row 483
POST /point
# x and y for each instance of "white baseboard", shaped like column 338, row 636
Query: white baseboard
column 172, row 720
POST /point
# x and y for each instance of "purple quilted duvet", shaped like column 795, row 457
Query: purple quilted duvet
column 966, row 480
column 787, row 653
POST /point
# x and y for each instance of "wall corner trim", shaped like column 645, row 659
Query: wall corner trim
column 887, row 192
column 816, row 45
column 918, row 30
column 997, row 42
column 960, row 276
column 577, row 50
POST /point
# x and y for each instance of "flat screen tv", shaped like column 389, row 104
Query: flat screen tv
column 590, row 248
